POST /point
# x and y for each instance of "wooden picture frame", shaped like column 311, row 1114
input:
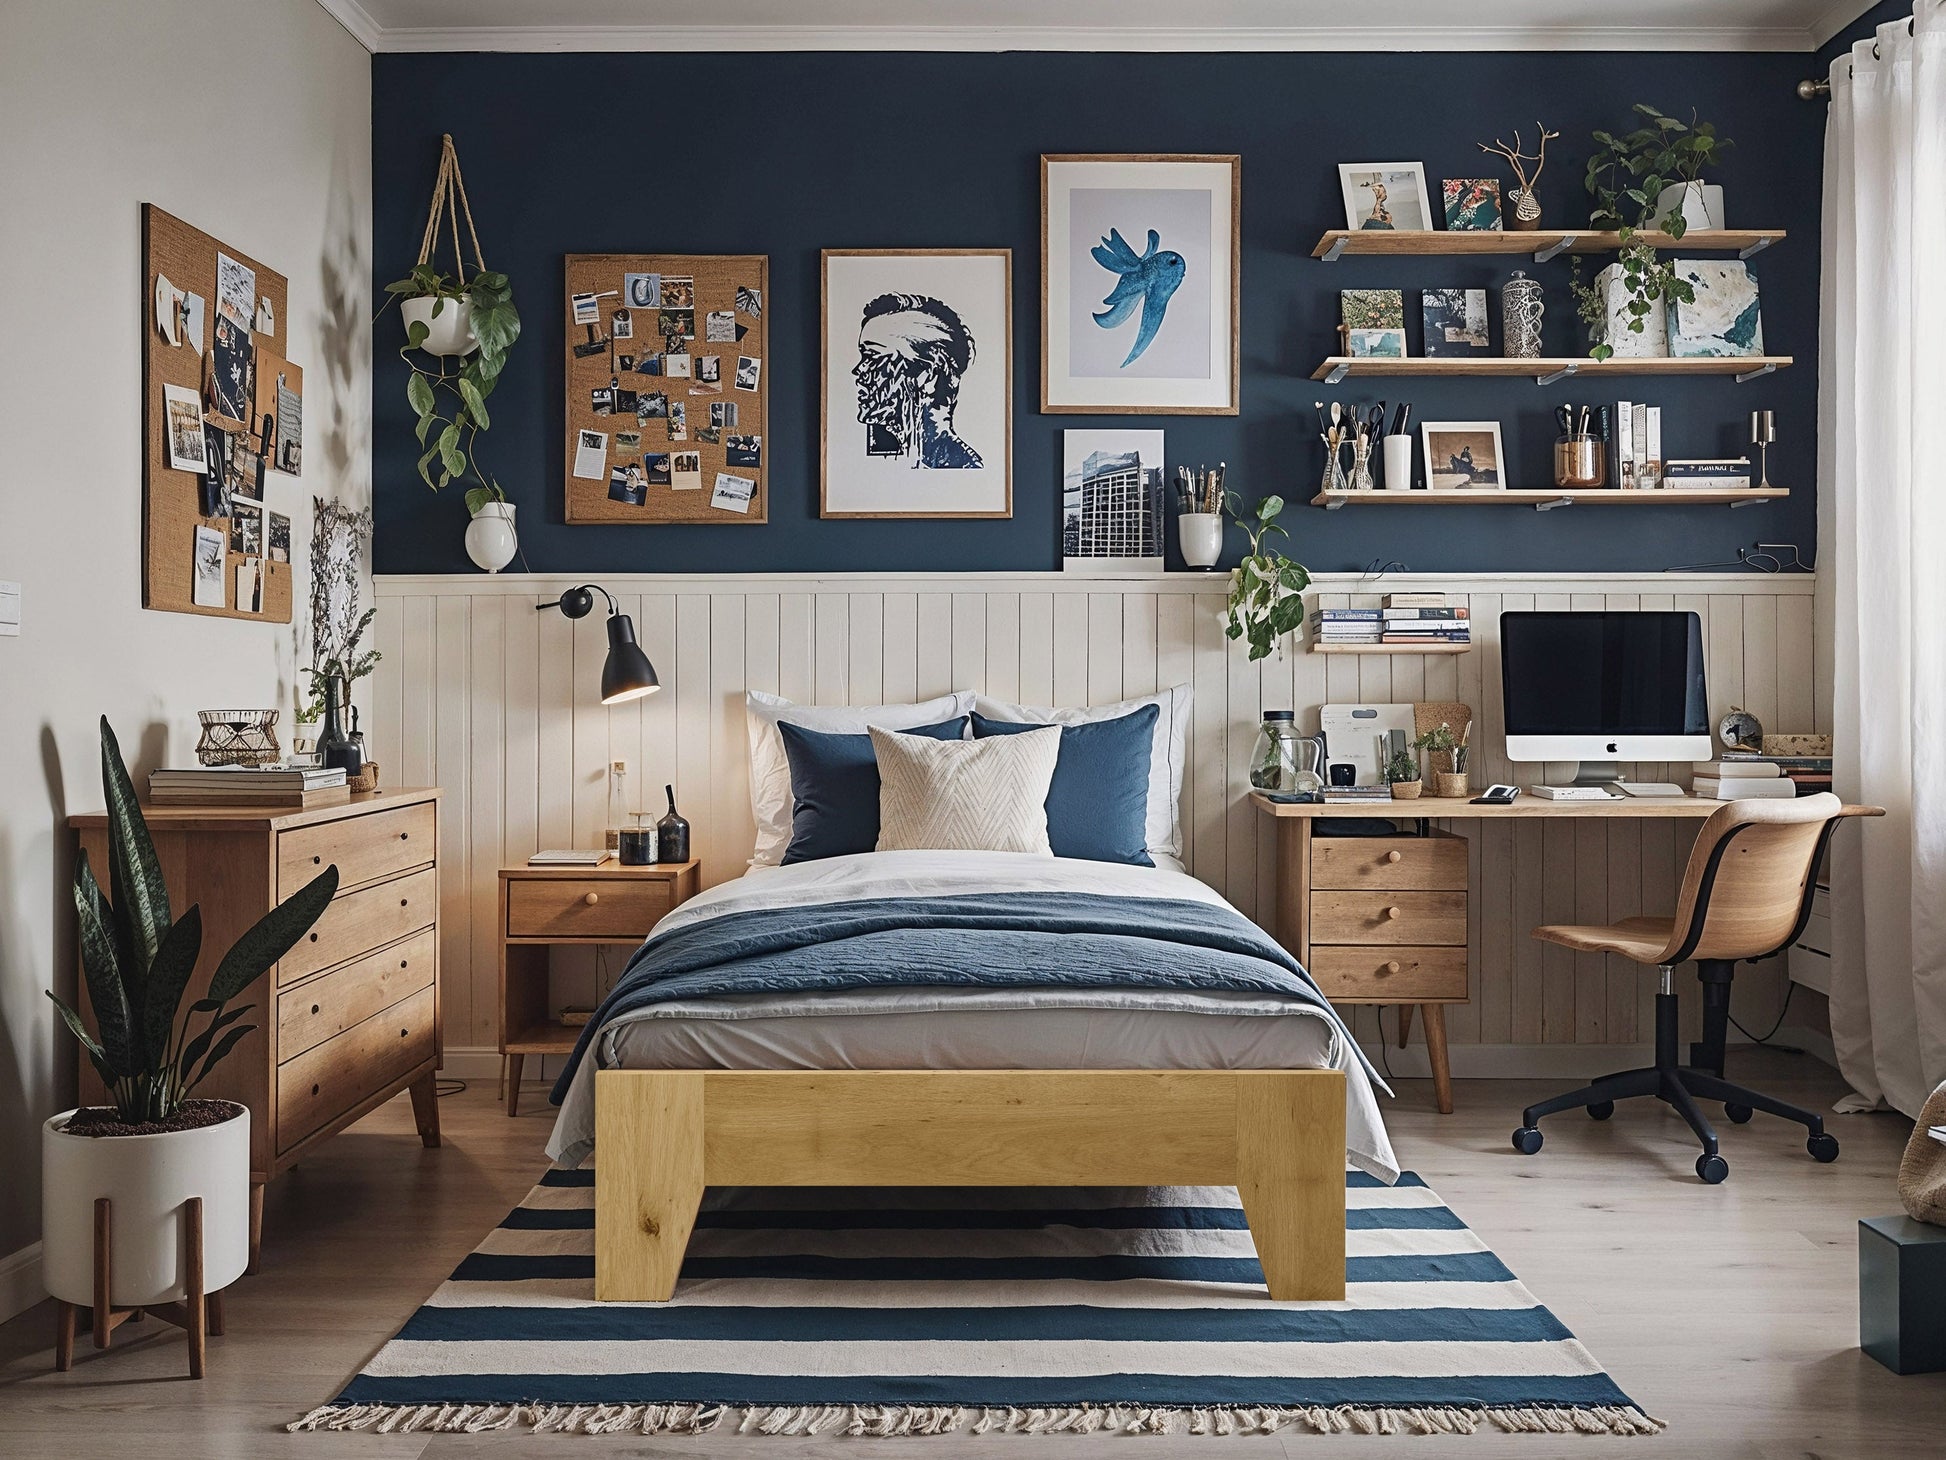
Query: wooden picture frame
column 1183, row 350
column 733, row 285
column 944, row 401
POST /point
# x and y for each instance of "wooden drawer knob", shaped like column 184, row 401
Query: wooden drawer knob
column 1392, row 967
column 314, row 1089
column 1394, row 913
column 314, row 1008
column 316, row 860
column 592, row 898
column 314, row 937
column 401, row 963
column 1395, row 856
column 404, row 834
column 405, row 902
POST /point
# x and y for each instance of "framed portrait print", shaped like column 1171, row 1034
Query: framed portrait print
column 1463, row 455
column 1139, row 284
column 1385, row 195
column 917, row 383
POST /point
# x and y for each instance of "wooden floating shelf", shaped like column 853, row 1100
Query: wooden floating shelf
column 1545, row 370
column 1559, row 497
column 1541, row 243
column 1317, row 648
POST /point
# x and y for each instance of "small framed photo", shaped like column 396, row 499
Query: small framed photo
column 1472, row 204
column 1385, row 195
column 1456, row 322
column 1462, row 455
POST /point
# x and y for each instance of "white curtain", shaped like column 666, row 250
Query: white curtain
column 1882, row 551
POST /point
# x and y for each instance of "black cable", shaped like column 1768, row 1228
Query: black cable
column 449, row 1087
column 1789, row 989
column 1384, row 1055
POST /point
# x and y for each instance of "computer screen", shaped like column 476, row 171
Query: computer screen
column 1603, row 676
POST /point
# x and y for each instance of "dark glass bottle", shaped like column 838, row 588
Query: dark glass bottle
column 672, row 834
column 335, row 748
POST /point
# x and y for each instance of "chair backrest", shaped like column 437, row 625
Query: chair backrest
column 1748, row 884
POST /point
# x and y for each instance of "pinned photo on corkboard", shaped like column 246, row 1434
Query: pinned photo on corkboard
column 629, row 316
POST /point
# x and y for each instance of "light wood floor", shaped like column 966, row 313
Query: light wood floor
column 1730, row 1312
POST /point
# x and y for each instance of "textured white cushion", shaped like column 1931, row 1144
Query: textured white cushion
column 965, row 795
column 770, row 768
column 1166, row 758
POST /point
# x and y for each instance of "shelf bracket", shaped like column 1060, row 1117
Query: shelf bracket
column 1557, row 502
column 1338, row 373
column 1332, row 254
column 1332, row 504
column 1748, row 375
column 1572, row 368
column 1758, row 247
column 1560, row 245
column 1752, row 502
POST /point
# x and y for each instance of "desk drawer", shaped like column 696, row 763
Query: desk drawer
column 364, row 848
column 324, row 1083
column 1430, row 863
column 594, row 907
column 360, row 921
column 1390, row 918
column 1390, row 975
column 328, row 1005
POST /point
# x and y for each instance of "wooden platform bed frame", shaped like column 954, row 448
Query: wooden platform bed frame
column 661, row 1136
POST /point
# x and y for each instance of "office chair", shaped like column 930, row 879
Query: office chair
column 1746, row 894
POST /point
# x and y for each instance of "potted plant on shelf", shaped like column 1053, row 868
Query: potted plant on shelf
column 131, row 1174
column 1648, row 180
column 338, row 628
column 1439, row 741
column 1402, row 774
column 1265, row 600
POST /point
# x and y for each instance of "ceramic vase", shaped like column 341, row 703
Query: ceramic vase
column 1201, row 537
column 1652, row 342
column 450, row 332
column 1398, row 463
column 490, row 538
column 1699, row 203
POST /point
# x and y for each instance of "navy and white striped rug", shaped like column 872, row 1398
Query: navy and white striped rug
column 930, row 1311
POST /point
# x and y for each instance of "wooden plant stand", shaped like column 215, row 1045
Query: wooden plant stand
column 199, row 1314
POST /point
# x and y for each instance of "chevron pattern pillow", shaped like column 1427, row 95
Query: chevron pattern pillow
column 965, row 795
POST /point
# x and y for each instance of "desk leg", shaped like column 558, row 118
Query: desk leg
column 512, row 1064
column 1434, row 1017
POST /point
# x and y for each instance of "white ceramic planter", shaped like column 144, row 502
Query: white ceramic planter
column 1652, row 342
column 1700, row 203
column 450, row 332
column 490, row 538
column 148, row 1179
column 1201, row 537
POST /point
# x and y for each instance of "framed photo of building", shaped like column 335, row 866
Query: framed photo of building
column 1111, row 502
column 916, row 390
column 1139, row 284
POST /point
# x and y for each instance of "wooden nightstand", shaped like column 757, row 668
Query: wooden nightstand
column 543, row 906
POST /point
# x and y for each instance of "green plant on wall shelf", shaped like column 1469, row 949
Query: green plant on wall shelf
column 1265, row 602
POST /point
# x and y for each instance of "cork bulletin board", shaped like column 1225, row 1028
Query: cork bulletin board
column 222, row 410
column 668, row 388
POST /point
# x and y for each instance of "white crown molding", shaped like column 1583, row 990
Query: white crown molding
column 358, row 21
column 1834, row 18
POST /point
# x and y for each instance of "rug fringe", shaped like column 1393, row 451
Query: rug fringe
column 920, row 1419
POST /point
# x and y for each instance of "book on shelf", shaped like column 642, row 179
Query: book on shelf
column 1349, row 638
column 1745, row 788
column 1782, row 762
column 1727, row 769
column 1426, row 615
column 1350, row 795
column 1699, row 466
column 260, row 799
column 1347, row 615
column 1650, row 473
column 257, row 778
column 1415, row 600
column 1420, row 636
column 1625, row 445
column 569, row 857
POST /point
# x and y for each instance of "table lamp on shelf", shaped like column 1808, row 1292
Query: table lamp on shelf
column 626, row 674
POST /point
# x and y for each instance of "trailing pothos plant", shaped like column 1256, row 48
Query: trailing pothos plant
column 138, row 960
column 1265, row 602
column 450, row 401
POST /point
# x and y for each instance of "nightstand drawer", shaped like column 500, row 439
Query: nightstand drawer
column 324, row 1083
column 377, row 844
column 1392, row 918
column 594, row 907
column 1390, row 975
column 1429, row 863
column 332, row 1003
column 360, row 921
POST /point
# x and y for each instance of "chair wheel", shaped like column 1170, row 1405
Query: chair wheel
column 1739, row 1114
column 1527, row 1140
column 1823, row 1146
column 1601, row 1110
column 1713, row 1169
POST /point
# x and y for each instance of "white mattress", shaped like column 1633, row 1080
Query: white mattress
column 969, row 1028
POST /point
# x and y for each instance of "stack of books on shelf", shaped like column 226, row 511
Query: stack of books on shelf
column 1807, row 773
column 273, row 787
column 1347, row 626
column 1424, row 618
column 1744, row 777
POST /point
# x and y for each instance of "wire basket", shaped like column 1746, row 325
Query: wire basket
column 238, row 737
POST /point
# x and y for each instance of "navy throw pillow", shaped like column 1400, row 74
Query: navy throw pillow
column 834, row 788
column 1098, row 804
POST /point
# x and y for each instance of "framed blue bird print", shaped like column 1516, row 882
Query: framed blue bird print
column 1139, row 284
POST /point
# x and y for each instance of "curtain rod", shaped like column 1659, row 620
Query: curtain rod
column 1821, row 90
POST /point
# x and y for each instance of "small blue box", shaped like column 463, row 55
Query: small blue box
column 1902, row 1294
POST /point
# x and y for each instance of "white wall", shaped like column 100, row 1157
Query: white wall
column 252, row 120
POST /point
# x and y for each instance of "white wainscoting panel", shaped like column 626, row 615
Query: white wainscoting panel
column 481, row 694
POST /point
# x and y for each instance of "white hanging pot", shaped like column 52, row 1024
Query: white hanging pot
column 490, row 539
column 148, row 1180
column 450, row 332
column 1699, row 203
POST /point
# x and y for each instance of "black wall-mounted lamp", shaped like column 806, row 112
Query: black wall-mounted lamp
column 627, row 674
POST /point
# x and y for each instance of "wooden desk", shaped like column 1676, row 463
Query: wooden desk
column 1377, row 922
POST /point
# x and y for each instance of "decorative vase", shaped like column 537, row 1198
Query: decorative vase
column 490, row 539
column 335, row 748
column 147, row 1180
column 1201, row 537
column 450, row 332
column 1407, row 790
column 1652, row 342
column 672, row 833
column 1522, row 306
column 1699, row 203
column 1398, row 463
column 1449, row 784
column 1525, row 214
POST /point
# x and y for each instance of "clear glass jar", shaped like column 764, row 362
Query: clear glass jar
column 1285, row 762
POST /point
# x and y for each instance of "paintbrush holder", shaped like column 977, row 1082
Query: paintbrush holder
column 1361, row 466
column 1334, row 470
column 1580, row 461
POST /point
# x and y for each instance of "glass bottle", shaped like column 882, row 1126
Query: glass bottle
column 672, row 833
column 637, row 846
column 337, row 749
column 1285, row 760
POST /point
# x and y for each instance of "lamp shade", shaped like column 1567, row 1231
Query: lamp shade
column 627, row 674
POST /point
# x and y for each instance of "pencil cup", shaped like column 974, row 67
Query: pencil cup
column 1398, row 463
column 1580, row 461
column 1201, row 537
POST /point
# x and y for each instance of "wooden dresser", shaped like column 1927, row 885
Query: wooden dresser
column 350, row 1017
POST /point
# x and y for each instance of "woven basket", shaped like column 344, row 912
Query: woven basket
column 365, row 781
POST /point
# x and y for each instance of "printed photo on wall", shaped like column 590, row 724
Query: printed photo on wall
column 1111, row 502
column 1373, row 321
column 733, row 493
column 277, row 537
column 916, row 383
column 591, row 455
column 207, row 586
column 642, row 291
column 750, row 301
column 628, row 483
column 686, row 471
column 182, row 428
column 1456, row 321
column 1385, row 195
column 621, row 325
column 744, row 451
column 749, row 371
column 213, row 491
column 250, row 586
column 236, row 290
column 1462, row 454
column 232, row 371
column 1472, row 204
column 658, row 465
column 247, row 528
column 1139, row 260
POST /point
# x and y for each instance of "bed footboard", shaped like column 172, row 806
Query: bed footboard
column 661, row 1136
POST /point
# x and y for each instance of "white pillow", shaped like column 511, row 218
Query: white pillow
column 965, row 795
column 770, row 768
column 1164, row 830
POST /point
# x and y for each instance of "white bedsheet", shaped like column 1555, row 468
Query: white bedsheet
column 966, row 1028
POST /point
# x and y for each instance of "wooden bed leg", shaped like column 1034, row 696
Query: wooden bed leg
column 1291, row 1176
column 648, row 1180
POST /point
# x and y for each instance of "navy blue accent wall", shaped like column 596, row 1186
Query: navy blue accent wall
column 787, row 153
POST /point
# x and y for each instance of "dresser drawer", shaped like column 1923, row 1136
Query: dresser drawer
column 364, row 848
column 361, row 921
column 1390, row 975
column 1392, row 918
column 594, row 907
column 330, row 1004
column 1429, row 863
column 324, row 1083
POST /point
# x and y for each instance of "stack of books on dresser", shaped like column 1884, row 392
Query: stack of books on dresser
column 274, row 787
column 1406, row 618
column 1745, row 776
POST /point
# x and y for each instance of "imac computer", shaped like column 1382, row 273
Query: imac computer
column 1599, row 688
